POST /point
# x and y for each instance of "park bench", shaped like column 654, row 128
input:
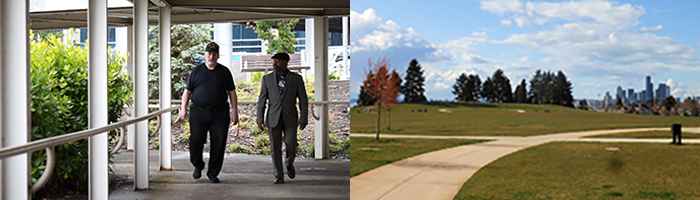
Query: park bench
column 255, row 63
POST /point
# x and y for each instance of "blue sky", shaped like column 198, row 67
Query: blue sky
column 598, row 44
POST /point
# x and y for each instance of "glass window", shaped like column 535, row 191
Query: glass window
column 83, row 35
column 237, row 31
column 335, row 39
column 247, row 43
column 248, row 33
column 298, row 49
column 111, row 35
column 249, row 50
column 299, row 34
column 301, row 42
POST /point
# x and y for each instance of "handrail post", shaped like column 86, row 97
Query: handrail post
column 141, row 93
column 165, row 90
column 98, row 179
column 317, row 28
column 14, row 91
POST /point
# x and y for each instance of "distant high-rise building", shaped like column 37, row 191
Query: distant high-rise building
column 649, row 90
column 662, row 91
column 631, row 96
column 608, row 99
column 643, row 96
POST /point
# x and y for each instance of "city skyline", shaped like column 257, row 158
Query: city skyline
column 598, row 44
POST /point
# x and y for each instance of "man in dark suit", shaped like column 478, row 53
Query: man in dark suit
column 280, row 90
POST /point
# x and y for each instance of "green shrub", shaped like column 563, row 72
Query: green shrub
column 59, row 106
column 334, row 75
column 264, row 151
column 237, row 148
column 257, row 77
column 261, row 140
column 332, row 139
column 345, row 145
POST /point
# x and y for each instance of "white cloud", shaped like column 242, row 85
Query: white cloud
column 371, row 34
column 483, row 33
column 501, row 7
column 522, row 21
column 655, row 28
column 507, row 22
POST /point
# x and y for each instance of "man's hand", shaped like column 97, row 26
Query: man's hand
column 234, row 118
column 182, row 116
column 260, row 125
column 302, row 126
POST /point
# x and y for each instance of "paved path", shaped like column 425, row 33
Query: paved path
column 441, row 174
column 243, row 177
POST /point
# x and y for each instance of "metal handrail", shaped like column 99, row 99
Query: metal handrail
column 50, row 162
column 63, row 139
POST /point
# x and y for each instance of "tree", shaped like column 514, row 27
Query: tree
column 365, row 99
column 412, row 89
column 669, row 102
column 397, row 77
column 459, row 89
column 563, row 91
column 381, row 85
column 520, row 95
column 467, row 88
column 280, row 41
column 618, row 101
column 488, row 91
column 501, row 86
column 583, row 104
column 187, row 51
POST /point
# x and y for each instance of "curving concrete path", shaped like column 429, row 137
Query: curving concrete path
column 441, row 174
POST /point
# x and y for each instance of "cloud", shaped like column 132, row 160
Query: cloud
column 483, row 33
column 542, row 12
column 502, row 7
column 522, row 21
column 655, row 28
column 371, row 34
column 508, row 22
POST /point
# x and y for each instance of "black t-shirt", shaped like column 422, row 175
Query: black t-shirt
column 210, row 87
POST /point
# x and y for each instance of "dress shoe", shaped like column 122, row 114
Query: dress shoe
column 291, row 172
column 197, row 173
column 214, row 179
column 279, row 181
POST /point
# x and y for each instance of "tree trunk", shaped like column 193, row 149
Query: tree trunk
column 379, row 114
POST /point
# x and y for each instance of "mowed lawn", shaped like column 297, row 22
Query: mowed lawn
column 369, row 153
column 567, row 170
column 648, row 134
column 508, row 119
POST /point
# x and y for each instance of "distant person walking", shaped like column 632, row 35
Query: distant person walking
column 209, row 85
column 279, row 91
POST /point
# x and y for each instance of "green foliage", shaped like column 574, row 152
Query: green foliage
column 237, row 148
column 188, row 42
column 261, row 140
column 59, row 105
column 264, row 151
column 334, row 75
column 345, row 145
column 332, row 139
column 257, row 77
column 412, row 89
column 283, row 41
column 467, row 88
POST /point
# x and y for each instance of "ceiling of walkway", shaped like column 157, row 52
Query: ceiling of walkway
column 198, row 11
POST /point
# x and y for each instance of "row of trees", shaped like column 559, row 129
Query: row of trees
column 545, row 87
column 411, row 87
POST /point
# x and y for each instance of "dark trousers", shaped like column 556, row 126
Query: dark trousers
column 215, row 121
column 290, row 139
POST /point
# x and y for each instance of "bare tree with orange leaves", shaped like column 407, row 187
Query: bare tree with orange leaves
column 382, row 85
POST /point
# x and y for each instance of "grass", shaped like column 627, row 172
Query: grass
column 574, row 170
column 648, row 134
column 502, row 120
column 368, row 153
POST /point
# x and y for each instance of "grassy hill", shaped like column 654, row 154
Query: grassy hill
column 495, row 119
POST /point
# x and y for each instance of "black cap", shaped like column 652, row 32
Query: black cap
column 213, row 47
column 281, row 56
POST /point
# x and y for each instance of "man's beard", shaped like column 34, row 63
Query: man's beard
column 211, row 63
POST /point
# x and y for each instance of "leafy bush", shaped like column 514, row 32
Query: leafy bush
column 345, row 145
column 257, row 77
column 237, row 148
column 264, row 151
column 59, row 106
column 334, row 75
column 261, row 140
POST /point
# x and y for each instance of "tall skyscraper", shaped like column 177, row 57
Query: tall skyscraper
column 631, row 96
column 649, row 90
column 662, row 91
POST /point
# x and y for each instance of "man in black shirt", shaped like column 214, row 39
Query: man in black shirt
column 209, row 85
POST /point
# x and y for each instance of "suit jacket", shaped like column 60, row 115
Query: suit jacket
column 283, row 105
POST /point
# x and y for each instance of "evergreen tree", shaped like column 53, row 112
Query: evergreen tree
column 501, row 87
column 365, row 99
column 489, row 91
column 563, row 90
column 412, row 89
column 459, row 89
column 474, row 86
column 583, row 104
column 520, row 95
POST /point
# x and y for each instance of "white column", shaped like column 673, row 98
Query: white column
column 14, row 97
column 320, row 65
column 309, row 27
column 98, row 181
column 141, row 93
column 166, row 138
column 223, row 35
column 130, row 129
column 346, row 53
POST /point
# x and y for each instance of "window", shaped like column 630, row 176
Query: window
column 249, row 50
column 335, row 39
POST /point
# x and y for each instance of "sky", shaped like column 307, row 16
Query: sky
column 598, row 44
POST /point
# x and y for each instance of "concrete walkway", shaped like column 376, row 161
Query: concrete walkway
column 441, row 174
column 243, row 177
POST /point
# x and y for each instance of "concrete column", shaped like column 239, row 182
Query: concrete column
column 15, row 118
column 141, row 93
column 98, row 181
column 166, row 138
column 346, row 53
column 130, row 129
column 223, row 35
column 320, row 66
